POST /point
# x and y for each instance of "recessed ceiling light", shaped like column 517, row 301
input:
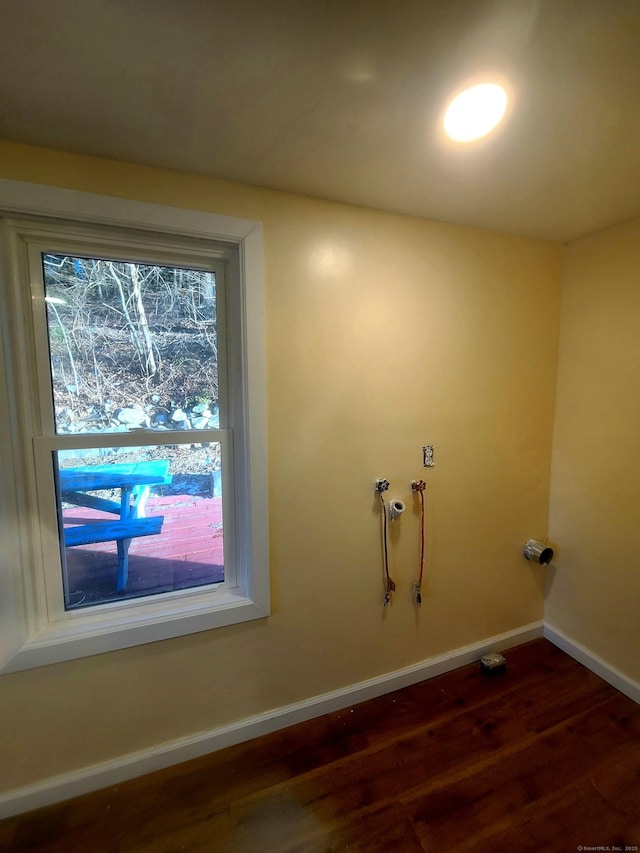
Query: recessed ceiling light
column 475, row 112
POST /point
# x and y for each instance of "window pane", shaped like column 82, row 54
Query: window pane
column 131, row 345
column 138, row 521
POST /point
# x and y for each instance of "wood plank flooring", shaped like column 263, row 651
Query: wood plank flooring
column 545, row 757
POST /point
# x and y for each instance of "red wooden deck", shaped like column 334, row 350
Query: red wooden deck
column 188, row 552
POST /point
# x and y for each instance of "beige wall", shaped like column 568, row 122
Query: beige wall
column 384, row 333
column 594, row 594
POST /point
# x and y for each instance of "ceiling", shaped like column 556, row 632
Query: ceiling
column 342, row 99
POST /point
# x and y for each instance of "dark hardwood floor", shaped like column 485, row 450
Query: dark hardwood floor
column 545, row 757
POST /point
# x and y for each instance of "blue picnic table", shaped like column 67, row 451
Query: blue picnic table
column 133, row 481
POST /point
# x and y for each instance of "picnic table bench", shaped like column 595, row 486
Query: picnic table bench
column 134, row 481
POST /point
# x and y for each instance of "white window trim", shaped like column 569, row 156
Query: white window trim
column 27, row 637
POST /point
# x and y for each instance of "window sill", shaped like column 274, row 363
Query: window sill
column 91, row 633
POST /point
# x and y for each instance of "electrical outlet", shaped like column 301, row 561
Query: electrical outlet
column 493, row 663
column 427, row 456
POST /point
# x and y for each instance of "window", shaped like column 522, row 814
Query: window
column 134, row 377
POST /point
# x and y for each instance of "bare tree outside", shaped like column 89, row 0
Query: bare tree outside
column 129, row 337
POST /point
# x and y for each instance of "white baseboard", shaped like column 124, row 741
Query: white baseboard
column 86, row 779
column 593, row 662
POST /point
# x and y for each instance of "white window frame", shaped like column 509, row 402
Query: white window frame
column 34, row 629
